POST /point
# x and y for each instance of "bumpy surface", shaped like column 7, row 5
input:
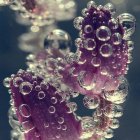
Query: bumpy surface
column 41, row 110
column 96, row 70
column 40, row 13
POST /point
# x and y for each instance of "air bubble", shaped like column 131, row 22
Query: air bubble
column 41, row 95
column 53, row 100
column 82, row 81
column 91, row 4
column 78, row 42
column 130, row 45
column 60, row 120
column 103, row 33
column 109, row 134
column 113, row 23
column 96, row 62
column 85, row 12
column 28, row 126
column 24, row 110
column 116, row 39
column 128, row 22
column 6, row 82
column 112, row 111
column 90, row 44
column 64, row 127
column 106, row 50
column 91, row 102
column 114, row 124
column 88, row 126
column 58, row 38
column 58, row 136
column 72, row 107
column 51, row 109
column 26, row 88
column 78, row 22
column 46, row 125
column 17, row 81
column 110, row 7
column 88, row 29
column 38, row 88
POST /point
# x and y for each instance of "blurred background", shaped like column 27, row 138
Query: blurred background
column 12, row 59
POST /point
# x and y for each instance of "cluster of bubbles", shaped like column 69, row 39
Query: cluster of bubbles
column 27, row 88
column 111, row 36
column 6, row 2
column 101, row 38
column 107, row 41
column 40, row 13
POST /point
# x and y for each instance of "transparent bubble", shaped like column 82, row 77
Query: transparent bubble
column 13, row 121
column 58, row 38
column 128, row 22
column 116, row 39
column 78, row 42
column 116, row 97
column 90, row 44
column 88, row 126
column 41, row 95
column 85, row 12
column 53, row 100
column 96, row 62
column 58, row 136
column 37, row 88
column 114, row 124
column 26, row 88
column 6, row 82
column 109, row 134
column 103, row 33
column 24, row 110
column 37, row 134
column 82, row 78
column 112, row 111
column 17, row 81
column 28, row 126
column 15, row 134
column 64, row 127
column 72, row 107
column 51, row 109
column 113, row 23
column 46, row 124
column 61, row 120
column 130, row 45
column 78, row 22
column 91, row 102
column 88, row 29
column 91, row 4
column 104, row 70
column 119, row 111
column 106, row 50
column 110, row 7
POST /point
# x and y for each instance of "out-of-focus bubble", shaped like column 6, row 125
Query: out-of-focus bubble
column 44, row 12
column 34, row 39
column 5, row 2
column 58, row 38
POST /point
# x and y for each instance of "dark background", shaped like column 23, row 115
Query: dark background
column 11, row 59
